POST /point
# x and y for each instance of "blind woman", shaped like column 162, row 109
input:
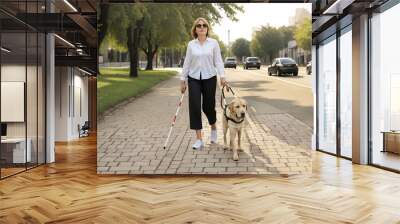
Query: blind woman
column 203, row 62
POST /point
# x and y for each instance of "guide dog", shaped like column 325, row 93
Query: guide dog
column 234, row 119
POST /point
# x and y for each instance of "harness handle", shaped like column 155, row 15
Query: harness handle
column 228, row 88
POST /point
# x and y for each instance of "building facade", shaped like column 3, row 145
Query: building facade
column 356, row 81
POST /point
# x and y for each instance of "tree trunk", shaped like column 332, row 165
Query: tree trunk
column 149, row 65
column 133, row 46
column 150, row 55
column 149, row 51
column 103, row 22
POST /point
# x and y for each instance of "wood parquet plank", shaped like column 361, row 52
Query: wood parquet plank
column 70, row 191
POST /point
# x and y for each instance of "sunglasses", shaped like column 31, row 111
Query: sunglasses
column 202, row 25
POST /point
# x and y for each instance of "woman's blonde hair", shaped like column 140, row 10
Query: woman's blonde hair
column 194, row 34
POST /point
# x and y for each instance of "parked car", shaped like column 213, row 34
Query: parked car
column 230, row 62
column 252, row 62
column 283, row 66
column 309, row 68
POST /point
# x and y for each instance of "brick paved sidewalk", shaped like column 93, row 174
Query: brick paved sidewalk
column 131, row 138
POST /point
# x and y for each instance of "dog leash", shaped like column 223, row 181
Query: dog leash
column 224, row 106
column 174, row 119
column 228, row 88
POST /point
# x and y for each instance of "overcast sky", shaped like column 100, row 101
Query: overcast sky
column 255, row 15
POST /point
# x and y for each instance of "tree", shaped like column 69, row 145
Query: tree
column 178, row 18
column 303, row 34
column 266, row 42
column 163, row 27
column 124, row 28
column 209, row 11
column 102, row 16
column 241, row 48
column 287, row 33
column 152, row 26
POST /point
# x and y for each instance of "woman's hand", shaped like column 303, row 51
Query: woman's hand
column 223, row 82
column 183, row 86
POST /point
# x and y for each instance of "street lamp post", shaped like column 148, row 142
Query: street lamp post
column 229, row 42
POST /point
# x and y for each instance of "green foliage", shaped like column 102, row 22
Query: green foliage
column 210, row 11
column 169, row 24
column 163, row 26
column 287, row 33
column 267, row 41
column 303, row 34
column 241, row 48
column 120, row 17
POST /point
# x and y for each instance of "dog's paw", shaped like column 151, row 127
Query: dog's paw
column 226, row 147
column 235, row 157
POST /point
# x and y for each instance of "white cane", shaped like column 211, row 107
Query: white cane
column 174, row 119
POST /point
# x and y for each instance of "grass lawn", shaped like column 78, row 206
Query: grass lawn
column 114, row 85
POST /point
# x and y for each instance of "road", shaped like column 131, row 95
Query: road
column 273, row 94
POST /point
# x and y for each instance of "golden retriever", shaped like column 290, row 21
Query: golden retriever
column 234, row 119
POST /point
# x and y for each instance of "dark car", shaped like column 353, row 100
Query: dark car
column 309, row 68
column 283, row 66
column 230, row 62
column 252, row 62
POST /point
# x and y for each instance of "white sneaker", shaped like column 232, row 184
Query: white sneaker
column 213, row 136
column 198, row 144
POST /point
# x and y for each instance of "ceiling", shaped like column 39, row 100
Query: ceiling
column 74, row 22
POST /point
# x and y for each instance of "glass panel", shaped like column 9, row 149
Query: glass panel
column 13, row 89
column 287, row 61
column 22, row 88
column 385, row 89
column 327, row 95
column 346, row 93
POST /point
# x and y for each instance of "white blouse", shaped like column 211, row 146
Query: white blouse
column 203, row 58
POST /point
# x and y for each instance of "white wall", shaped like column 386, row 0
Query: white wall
column 70, row 83
column 13, row 72
column 79, row 117
column 62, row 81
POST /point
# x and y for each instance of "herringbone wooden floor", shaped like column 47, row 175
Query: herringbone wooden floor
column 70, row 191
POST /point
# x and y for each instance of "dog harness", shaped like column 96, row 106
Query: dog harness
column 224, row 107
column 230, row 119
